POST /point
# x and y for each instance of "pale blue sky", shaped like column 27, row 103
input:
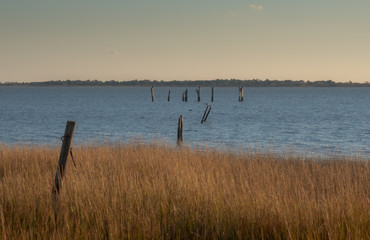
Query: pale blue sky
column 184, row 40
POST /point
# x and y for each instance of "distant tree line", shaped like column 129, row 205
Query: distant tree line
column 189, row 83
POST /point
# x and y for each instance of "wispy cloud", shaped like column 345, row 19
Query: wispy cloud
column 256, row 7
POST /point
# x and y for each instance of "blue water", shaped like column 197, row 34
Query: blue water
column 307, row 120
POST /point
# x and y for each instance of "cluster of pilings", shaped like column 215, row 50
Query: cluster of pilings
column 206, row 112
column 197, row 90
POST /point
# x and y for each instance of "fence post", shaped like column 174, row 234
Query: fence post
column 64, row 152
column 179, row 131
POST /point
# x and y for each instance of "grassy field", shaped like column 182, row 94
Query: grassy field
column 155, row 191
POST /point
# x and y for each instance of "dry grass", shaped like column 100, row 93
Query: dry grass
column 135, row 191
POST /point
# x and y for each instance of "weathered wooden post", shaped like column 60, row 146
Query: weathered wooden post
column 62, row 163
column 209, row 110
column 186, row 95
column 241, row 97
column 213, row 93
column 239, row 94
column 198, row 93
column 169, row 95
column 152, row 90
column 179, row 131
column 206, row 113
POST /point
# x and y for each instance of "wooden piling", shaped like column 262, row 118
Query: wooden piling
column 241, row 97
column 198, row 93
column 64, row 153
column 206, row 113
column 179, row 131
column 241, row 94
column 185, row 96
column 169, row 95
column 152, row 90
column 213, row 93
column 209, row 110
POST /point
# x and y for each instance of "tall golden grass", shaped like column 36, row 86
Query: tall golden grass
column 155, row 191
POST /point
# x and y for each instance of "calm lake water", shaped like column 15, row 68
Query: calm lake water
column 306, row 120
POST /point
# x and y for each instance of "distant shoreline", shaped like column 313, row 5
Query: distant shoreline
column 187, row 83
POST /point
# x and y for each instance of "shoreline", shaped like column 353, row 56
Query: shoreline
column 190, row 83
column 270, row 150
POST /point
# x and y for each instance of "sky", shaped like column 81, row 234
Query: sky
column 42, row 40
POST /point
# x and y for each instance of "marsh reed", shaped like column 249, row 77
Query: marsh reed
column 156, row 191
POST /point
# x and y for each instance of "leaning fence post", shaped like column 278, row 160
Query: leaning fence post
column 64, row 152
column 179, row 131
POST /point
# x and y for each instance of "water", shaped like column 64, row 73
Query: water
column 307, row 120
